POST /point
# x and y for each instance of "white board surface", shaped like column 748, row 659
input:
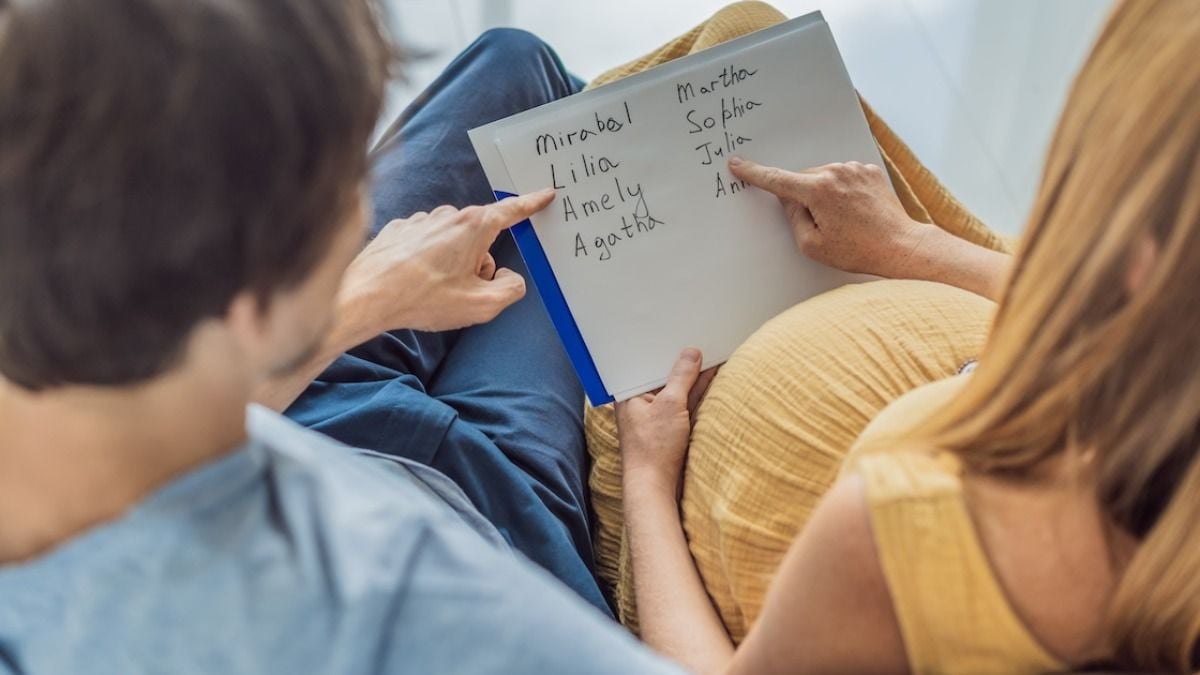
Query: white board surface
column 654, row 244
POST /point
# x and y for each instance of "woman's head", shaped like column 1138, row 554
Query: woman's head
column 1095, row 350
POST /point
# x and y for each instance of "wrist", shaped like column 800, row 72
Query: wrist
column 917, row 246
column 379, row 288
column 650, row 505
column 643, row 483
column 357, row 318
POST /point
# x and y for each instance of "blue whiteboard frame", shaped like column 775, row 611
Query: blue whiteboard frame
column 556, row 305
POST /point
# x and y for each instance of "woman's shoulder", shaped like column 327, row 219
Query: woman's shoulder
column 890, row 474
column 900, row 417
column 909, row 476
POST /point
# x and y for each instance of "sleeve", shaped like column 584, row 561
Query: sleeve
column 464, row 608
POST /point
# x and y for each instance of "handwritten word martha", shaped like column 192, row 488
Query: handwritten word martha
column 552, row 141
column 728, row 77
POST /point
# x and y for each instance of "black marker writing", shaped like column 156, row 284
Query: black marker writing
column 606, row 201
column 590, row 165
column 632, row 225
column 730, row 187
column 730, row 143
column 728, row 77
column 546, row 143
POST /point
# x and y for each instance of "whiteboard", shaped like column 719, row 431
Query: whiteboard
column 651, row 245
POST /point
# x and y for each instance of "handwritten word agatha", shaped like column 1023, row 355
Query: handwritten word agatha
column 715, row 124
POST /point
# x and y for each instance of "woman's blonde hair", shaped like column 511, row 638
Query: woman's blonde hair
column 1078, row 364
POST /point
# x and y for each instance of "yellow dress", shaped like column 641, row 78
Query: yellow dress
column 774, row 429
column 953, row 613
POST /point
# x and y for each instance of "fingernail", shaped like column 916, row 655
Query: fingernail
column 546, row 191
column 691, row 354
column 735, row 160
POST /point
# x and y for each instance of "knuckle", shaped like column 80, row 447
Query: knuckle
column 670, row 398
column 808, row 242
column 792, row 209
column 491, row 312
column 486, row 307
column 826, row 180
column 444, row 208
column 472, row 213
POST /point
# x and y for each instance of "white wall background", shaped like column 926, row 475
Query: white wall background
column 973, row 86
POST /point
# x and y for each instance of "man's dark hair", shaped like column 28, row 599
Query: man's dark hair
column 157, row 157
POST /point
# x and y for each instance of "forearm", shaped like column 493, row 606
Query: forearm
column 353, row 324
column 936, row 255
column 675, row 614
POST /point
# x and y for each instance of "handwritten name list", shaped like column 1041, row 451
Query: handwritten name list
column 620, row 206
column 651, row 243
column 610, row 206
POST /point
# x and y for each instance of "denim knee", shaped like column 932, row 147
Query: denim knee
column 521, row 64
column 512, row 44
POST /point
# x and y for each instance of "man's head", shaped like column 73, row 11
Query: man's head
column 170, row 163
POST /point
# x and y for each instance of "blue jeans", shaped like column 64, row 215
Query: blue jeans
column 496, row 407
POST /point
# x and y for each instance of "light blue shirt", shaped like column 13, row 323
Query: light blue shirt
column 294, row 555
